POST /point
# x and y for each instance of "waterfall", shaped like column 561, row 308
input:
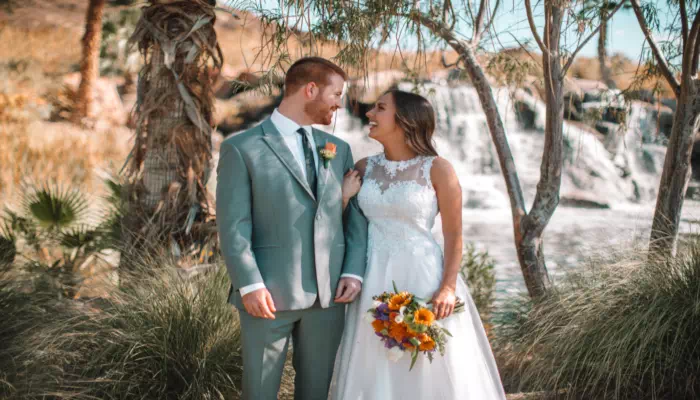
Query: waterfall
column 615, row 172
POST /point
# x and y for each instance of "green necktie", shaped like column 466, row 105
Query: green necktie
column 309, row 158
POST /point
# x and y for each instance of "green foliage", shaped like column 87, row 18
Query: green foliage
column 478, row 271
column 622, row 327
column 52, row 237
column 54, row 208
column 116, row 57
column 165, row 337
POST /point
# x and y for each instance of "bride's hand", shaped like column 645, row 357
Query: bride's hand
column 351, row 184
column 444, row 302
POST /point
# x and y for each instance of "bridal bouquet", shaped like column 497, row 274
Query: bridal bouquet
column 405, row 323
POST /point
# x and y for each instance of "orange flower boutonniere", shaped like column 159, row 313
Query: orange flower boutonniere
column 327, row 153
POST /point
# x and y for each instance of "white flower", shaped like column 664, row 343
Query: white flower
column 398, row 319
column 422, row 304
column 376, row 304
column 369, row 318
column 402, row 310
column 437, row 324
column 395, row 354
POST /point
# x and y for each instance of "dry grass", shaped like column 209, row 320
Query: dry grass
column 40, row 151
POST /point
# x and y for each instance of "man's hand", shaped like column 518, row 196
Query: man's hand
column 259, row 304
column 348, row 289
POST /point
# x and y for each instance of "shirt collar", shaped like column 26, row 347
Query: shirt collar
column 286, row 126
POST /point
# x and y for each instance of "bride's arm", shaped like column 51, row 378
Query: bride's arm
column 449, row 195
column 353, row 181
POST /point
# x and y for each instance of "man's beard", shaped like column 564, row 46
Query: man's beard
column 319, row 112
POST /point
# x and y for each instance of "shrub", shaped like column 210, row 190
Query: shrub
column 624, row 327
column 478, row 271
column 165, row 337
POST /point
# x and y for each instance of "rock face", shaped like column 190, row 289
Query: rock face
column 108, row 106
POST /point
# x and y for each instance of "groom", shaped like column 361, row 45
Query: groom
column 293, row 253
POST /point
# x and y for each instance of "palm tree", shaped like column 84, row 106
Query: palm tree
column 89, row 64
column 167, row 170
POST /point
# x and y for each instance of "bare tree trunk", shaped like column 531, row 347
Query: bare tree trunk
column 676, row 172
column 605, row 74
column 90, row 62
column 686, row 123
column 530, row 254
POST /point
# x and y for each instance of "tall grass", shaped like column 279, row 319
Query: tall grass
column 624, row 327
column 163, row 337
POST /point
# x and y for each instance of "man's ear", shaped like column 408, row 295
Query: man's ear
column 311, row 90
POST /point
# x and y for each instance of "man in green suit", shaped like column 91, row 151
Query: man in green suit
column 295, row 249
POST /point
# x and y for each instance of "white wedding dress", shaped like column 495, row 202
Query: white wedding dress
column 400, row 204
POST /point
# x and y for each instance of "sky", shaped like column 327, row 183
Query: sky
column 511, row 27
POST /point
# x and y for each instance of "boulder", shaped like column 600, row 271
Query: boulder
column 581, row 199
column 107, row 104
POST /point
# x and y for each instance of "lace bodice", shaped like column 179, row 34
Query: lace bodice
column 398, row 199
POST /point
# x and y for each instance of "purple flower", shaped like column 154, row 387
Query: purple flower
column 383, row 308
column 390, row 343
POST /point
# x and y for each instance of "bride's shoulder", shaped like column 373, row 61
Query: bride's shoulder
column 366, row 163
column 442, row 173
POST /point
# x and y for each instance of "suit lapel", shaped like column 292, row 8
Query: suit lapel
column 322, row 171
column 275, row 141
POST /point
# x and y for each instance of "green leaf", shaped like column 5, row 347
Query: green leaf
column 447, row 332
column 55, row 208
column 395, row 289
column 414, row 358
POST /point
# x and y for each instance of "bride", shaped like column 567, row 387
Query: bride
column 402, row 191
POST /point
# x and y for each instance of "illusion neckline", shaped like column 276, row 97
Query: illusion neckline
column 384, row 160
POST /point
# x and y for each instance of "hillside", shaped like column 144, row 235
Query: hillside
column 48, row 32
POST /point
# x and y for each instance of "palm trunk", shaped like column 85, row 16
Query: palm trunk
column 676, row 172
column 90, row 62
column 168, row 205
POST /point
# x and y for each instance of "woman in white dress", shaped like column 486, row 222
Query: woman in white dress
column 401, row 193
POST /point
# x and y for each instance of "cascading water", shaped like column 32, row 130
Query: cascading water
column 620, row 172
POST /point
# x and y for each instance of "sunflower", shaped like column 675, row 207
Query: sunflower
column 399, row 332
column 426, row 343
column 424, row 317
column 399, row 300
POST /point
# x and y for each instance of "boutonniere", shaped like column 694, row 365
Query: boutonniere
column 327, row 153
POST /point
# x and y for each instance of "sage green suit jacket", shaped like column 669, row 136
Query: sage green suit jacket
column 274, row 230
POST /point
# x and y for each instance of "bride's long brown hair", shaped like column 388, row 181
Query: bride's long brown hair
column 416, row 117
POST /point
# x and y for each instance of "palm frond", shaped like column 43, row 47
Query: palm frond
column 53, row 207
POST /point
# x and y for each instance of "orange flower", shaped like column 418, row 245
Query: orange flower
column 423, row 317
column 378, row 325
column 409, row 346
column 399, row 300
column 426, row 343
column 398, row 331
column 331, row 147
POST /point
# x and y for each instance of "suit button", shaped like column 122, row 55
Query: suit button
column 318, row 217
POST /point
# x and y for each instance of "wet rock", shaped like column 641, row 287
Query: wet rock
column 582, row 199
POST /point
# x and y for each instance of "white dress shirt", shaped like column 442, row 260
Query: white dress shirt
column 288, row 129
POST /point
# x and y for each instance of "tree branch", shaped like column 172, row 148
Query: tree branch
column 660, row 59
column 604, row 20
column 493, row 15
column 684, row 22
column 533, row 28
column 690, row 56
column 479, row 22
